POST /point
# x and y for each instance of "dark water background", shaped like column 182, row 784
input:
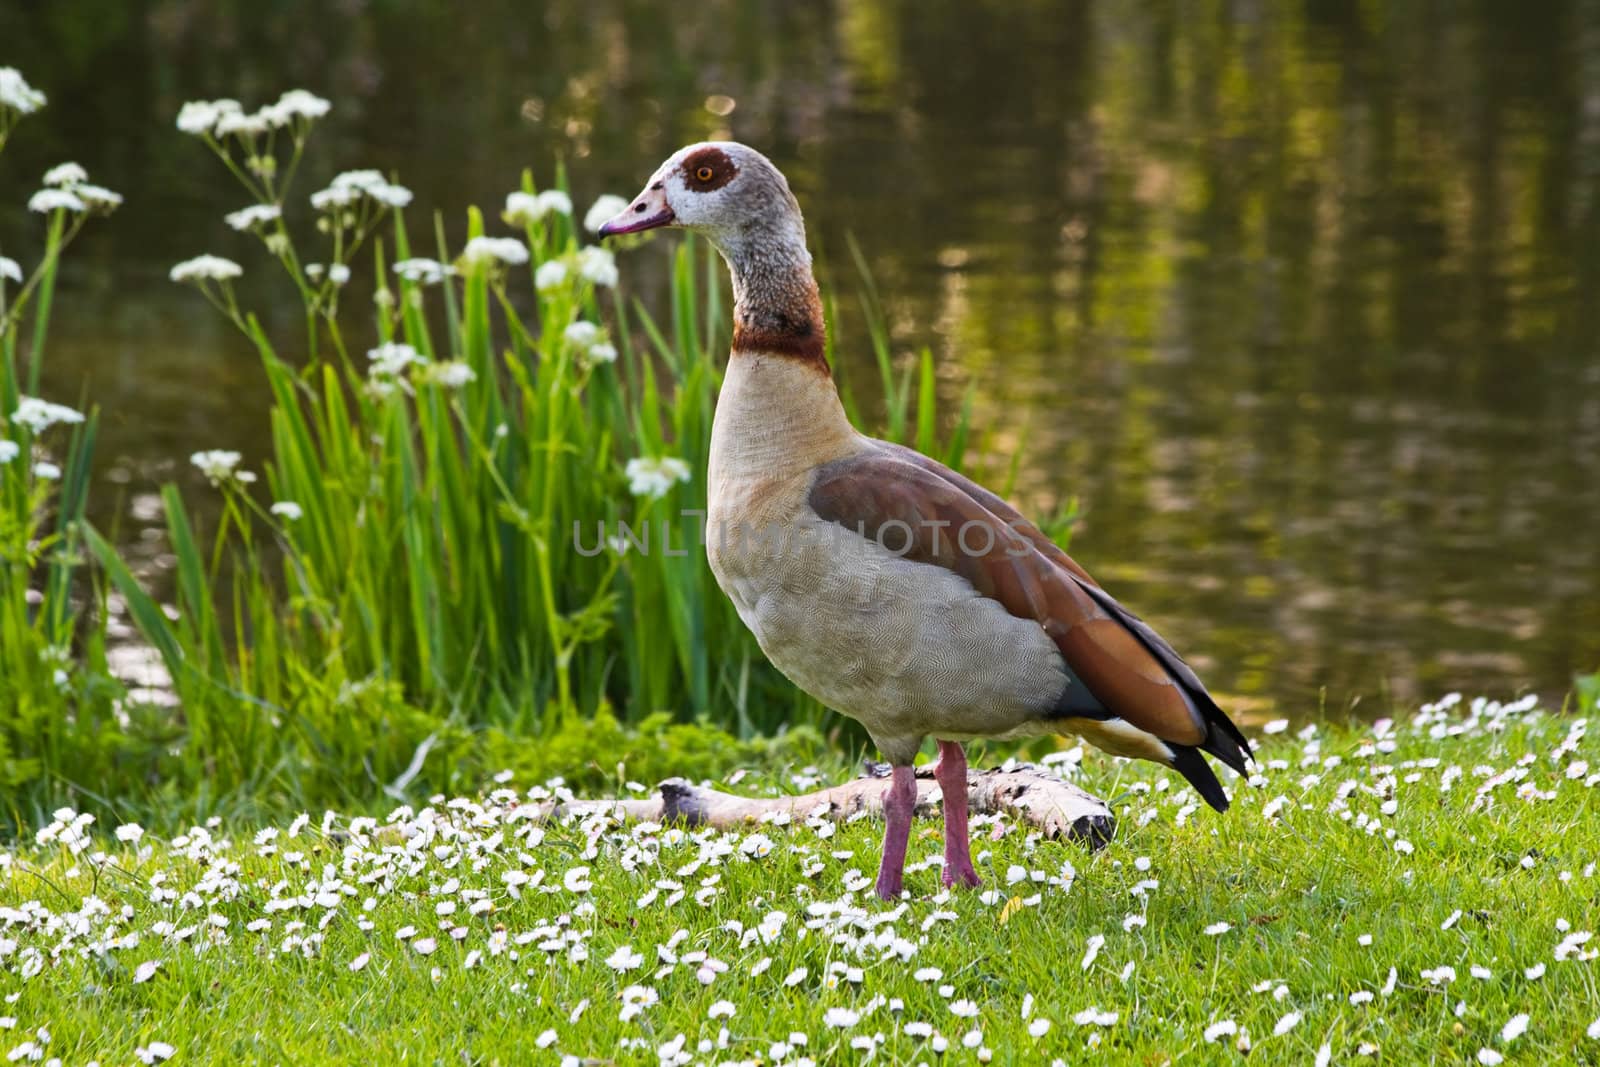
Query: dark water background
column 1300, row 300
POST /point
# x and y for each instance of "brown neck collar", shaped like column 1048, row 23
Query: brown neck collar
column 776, row 307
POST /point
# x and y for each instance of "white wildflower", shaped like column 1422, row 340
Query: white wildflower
column 602, row 353
column 155, row 1052
column 1514, row 1028
column 287, row 509
column 840, row 1018
column 452, row 374
column 359, row 962
column 391, row 358
column 598, row 265
column 556, row 200
column 130, row 833
column 300, row 103
column 334, row 197
column 16, row 94
column 48, row 471
column 602, row 211
column 350, row 186
column 1489, row 1057
column 1095, row 1017
column 964, row 1009
column 581, row 334
column 10, row 268
column 248, row 218
column 1287, row 1023
column 9, row 450
column 390, row 194
column 48, row 200
column 206, row 269
column 221, row 465
column 423, row 271
column 199, row 117
column 1092, row 950
column 1441, row 975
column 1221, row 1029
column 1217, row 929
column 1039, row 1027
column 98, row 197
column 65, row 174
column 655, row 477
column 550, row 275
column 722, row 1009
column 242, row 124
column 484, row 251
column 39, row 415
column 624, row 959
column 523, row 209
column 145, row 971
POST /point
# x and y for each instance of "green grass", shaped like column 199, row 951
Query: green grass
column 1496, row 805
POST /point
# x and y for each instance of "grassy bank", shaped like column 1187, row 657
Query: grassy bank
column 1399, row 894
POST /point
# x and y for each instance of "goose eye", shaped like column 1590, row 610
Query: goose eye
column 703, row 173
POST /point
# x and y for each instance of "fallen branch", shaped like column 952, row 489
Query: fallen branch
column 1043, row 801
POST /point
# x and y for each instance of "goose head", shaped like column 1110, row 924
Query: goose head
column 727, row 192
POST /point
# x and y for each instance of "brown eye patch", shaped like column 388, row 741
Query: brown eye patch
column 708, row 169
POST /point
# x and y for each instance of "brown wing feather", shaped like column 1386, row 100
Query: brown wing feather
column 932, row 515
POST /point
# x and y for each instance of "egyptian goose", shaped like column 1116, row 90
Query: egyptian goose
column 885, row 585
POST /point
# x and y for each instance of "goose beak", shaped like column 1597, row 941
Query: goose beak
column 648, row 211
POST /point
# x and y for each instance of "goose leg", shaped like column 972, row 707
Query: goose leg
column 951, row 774
column 898, row 803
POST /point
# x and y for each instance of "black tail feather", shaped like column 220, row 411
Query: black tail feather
column 1188, row 761
column 1224, row 741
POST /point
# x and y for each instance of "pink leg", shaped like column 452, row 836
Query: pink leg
column 951, row 774
column 899, row 800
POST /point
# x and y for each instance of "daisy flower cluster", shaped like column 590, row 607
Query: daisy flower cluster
column 609, row 940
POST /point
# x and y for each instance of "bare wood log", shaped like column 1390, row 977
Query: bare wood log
column 1056, row 808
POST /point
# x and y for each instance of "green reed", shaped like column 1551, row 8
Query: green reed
column 57, row 702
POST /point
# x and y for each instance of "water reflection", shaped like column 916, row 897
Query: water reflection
column 1300, row 300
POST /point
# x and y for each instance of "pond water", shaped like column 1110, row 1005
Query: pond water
column 1300, row 301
